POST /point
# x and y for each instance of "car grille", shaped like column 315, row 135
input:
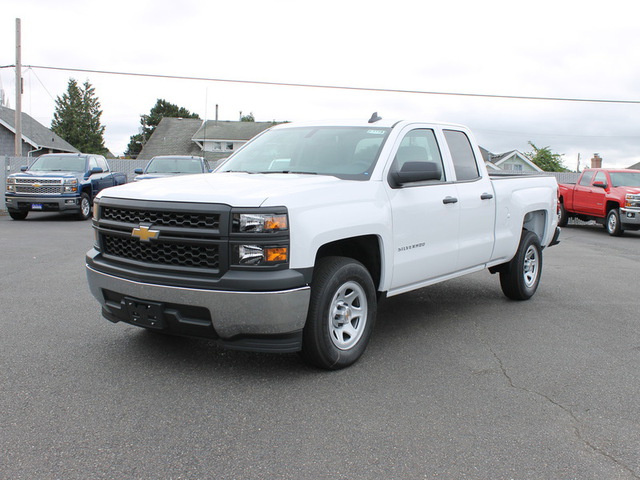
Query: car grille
column 191, row 239
column 181, row 255
column 38, row 186
column 174, row 219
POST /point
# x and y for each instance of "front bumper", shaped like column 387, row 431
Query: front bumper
column 630, row 218
column 257, row 321
column 42, row 203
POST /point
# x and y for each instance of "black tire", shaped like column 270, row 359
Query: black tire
column 342, row 312
column 85, row 207
column 18, row 214
column 613, row 224
column 563, row 218
column 520, row 277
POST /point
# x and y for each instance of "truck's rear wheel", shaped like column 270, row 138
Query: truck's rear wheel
column 85, row 207
column 342, row 312
column 613, row 225
column 520, row 277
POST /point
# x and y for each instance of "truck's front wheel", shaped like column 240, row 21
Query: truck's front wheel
column 613, row 225
column 18, row 214
column 341, row 314
column 520, row 277
column 85, row 207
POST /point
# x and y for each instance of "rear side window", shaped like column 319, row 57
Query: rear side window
column 464, row 161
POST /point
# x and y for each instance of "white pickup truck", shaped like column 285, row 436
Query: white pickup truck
column 289, row 245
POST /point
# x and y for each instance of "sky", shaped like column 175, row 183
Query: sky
column 583, row 50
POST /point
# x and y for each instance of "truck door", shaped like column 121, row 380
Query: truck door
column 425, row 214
column 582, row 192
column 597, row 195
column 476, row 200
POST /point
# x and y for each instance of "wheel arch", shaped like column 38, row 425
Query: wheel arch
column 366, row 249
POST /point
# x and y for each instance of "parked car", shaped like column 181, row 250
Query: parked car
column 289, row 245
column 171, row 165
column 59, row 182
column 610, row 197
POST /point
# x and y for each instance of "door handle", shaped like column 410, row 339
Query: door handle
column 486, row 196
column 447, row 200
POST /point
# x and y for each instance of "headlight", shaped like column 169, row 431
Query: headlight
column 632, row 200
column 260, row 222
column 260, row 255
column 70, row 185
column 11, row 184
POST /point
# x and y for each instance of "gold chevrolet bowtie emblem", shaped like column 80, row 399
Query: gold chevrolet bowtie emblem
column 37, row 185
column 145, row 234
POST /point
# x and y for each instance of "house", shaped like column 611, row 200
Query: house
column 212, row 139
column 635, row 166
column 512, row 161
column 36, row 138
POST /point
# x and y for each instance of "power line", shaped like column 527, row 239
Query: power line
column 335, row 87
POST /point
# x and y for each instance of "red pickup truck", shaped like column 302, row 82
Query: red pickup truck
column 610, row 197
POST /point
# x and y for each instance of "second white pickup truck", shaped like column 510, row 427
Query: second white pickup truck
column 291, row 243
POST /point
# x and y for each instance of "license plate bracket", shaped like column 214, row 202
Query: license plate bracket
column 145, row 314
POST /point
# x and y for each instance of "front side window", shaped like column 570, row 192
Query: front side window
column 464, row 161
column 344, row 152
column 600, row 177
column 419, row 147
column 585, row 180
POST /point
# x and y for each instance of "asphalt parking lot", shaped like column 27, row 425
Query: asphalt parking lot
column 457, row 383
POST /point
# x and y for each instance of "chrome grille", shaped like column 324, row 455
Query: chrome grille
column 39, row 186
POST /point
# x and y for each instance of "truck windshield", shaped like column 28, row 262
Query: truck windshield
column 58, row 163
column 174, row 165
column 344, row 152
column 625, row 179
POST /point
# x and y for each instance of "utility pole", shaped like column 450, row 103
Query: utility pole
column 18, row 121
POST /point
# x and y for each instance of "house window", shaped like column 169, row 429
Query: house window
column 216, row 146
column 229, row 146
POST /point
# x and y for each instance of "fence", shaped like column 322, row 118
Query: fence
column 126, row 166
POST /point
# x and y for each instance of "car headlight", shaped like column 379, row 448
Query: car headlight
column 632, row 200
column 260, row 255
column 70, row 185
column 11, row 184
column 260, row 239
column 260, row 222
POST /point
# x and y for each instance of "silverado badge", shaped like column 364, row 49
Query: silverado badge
column 145, row 234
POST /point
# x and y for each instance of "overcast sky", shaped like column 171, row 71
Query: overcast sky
column 560, row 49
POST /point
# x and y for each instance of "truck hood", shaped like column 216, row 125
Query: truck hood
column 236, row 189
column 46, row 174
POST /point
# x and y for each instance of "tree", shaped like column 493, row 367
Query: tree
column 76, row 118
column 247, row 118
column 545, row 159
column 148, row 123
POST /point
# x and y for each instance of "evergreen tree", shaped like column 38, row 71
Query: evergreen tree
column 76, row 118
column 148, row 123
column 546, row 159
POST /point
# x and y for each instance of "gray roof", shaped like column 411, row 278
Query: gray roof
column 34, row 133
column 172, row 136
column 635, row 166
column 227, row 130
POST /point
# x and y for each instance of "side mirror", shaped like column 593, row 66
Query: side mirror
column 138, row 171
column 24, row 168
column 95, row 170
column 600, row 184
column 416, row 172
